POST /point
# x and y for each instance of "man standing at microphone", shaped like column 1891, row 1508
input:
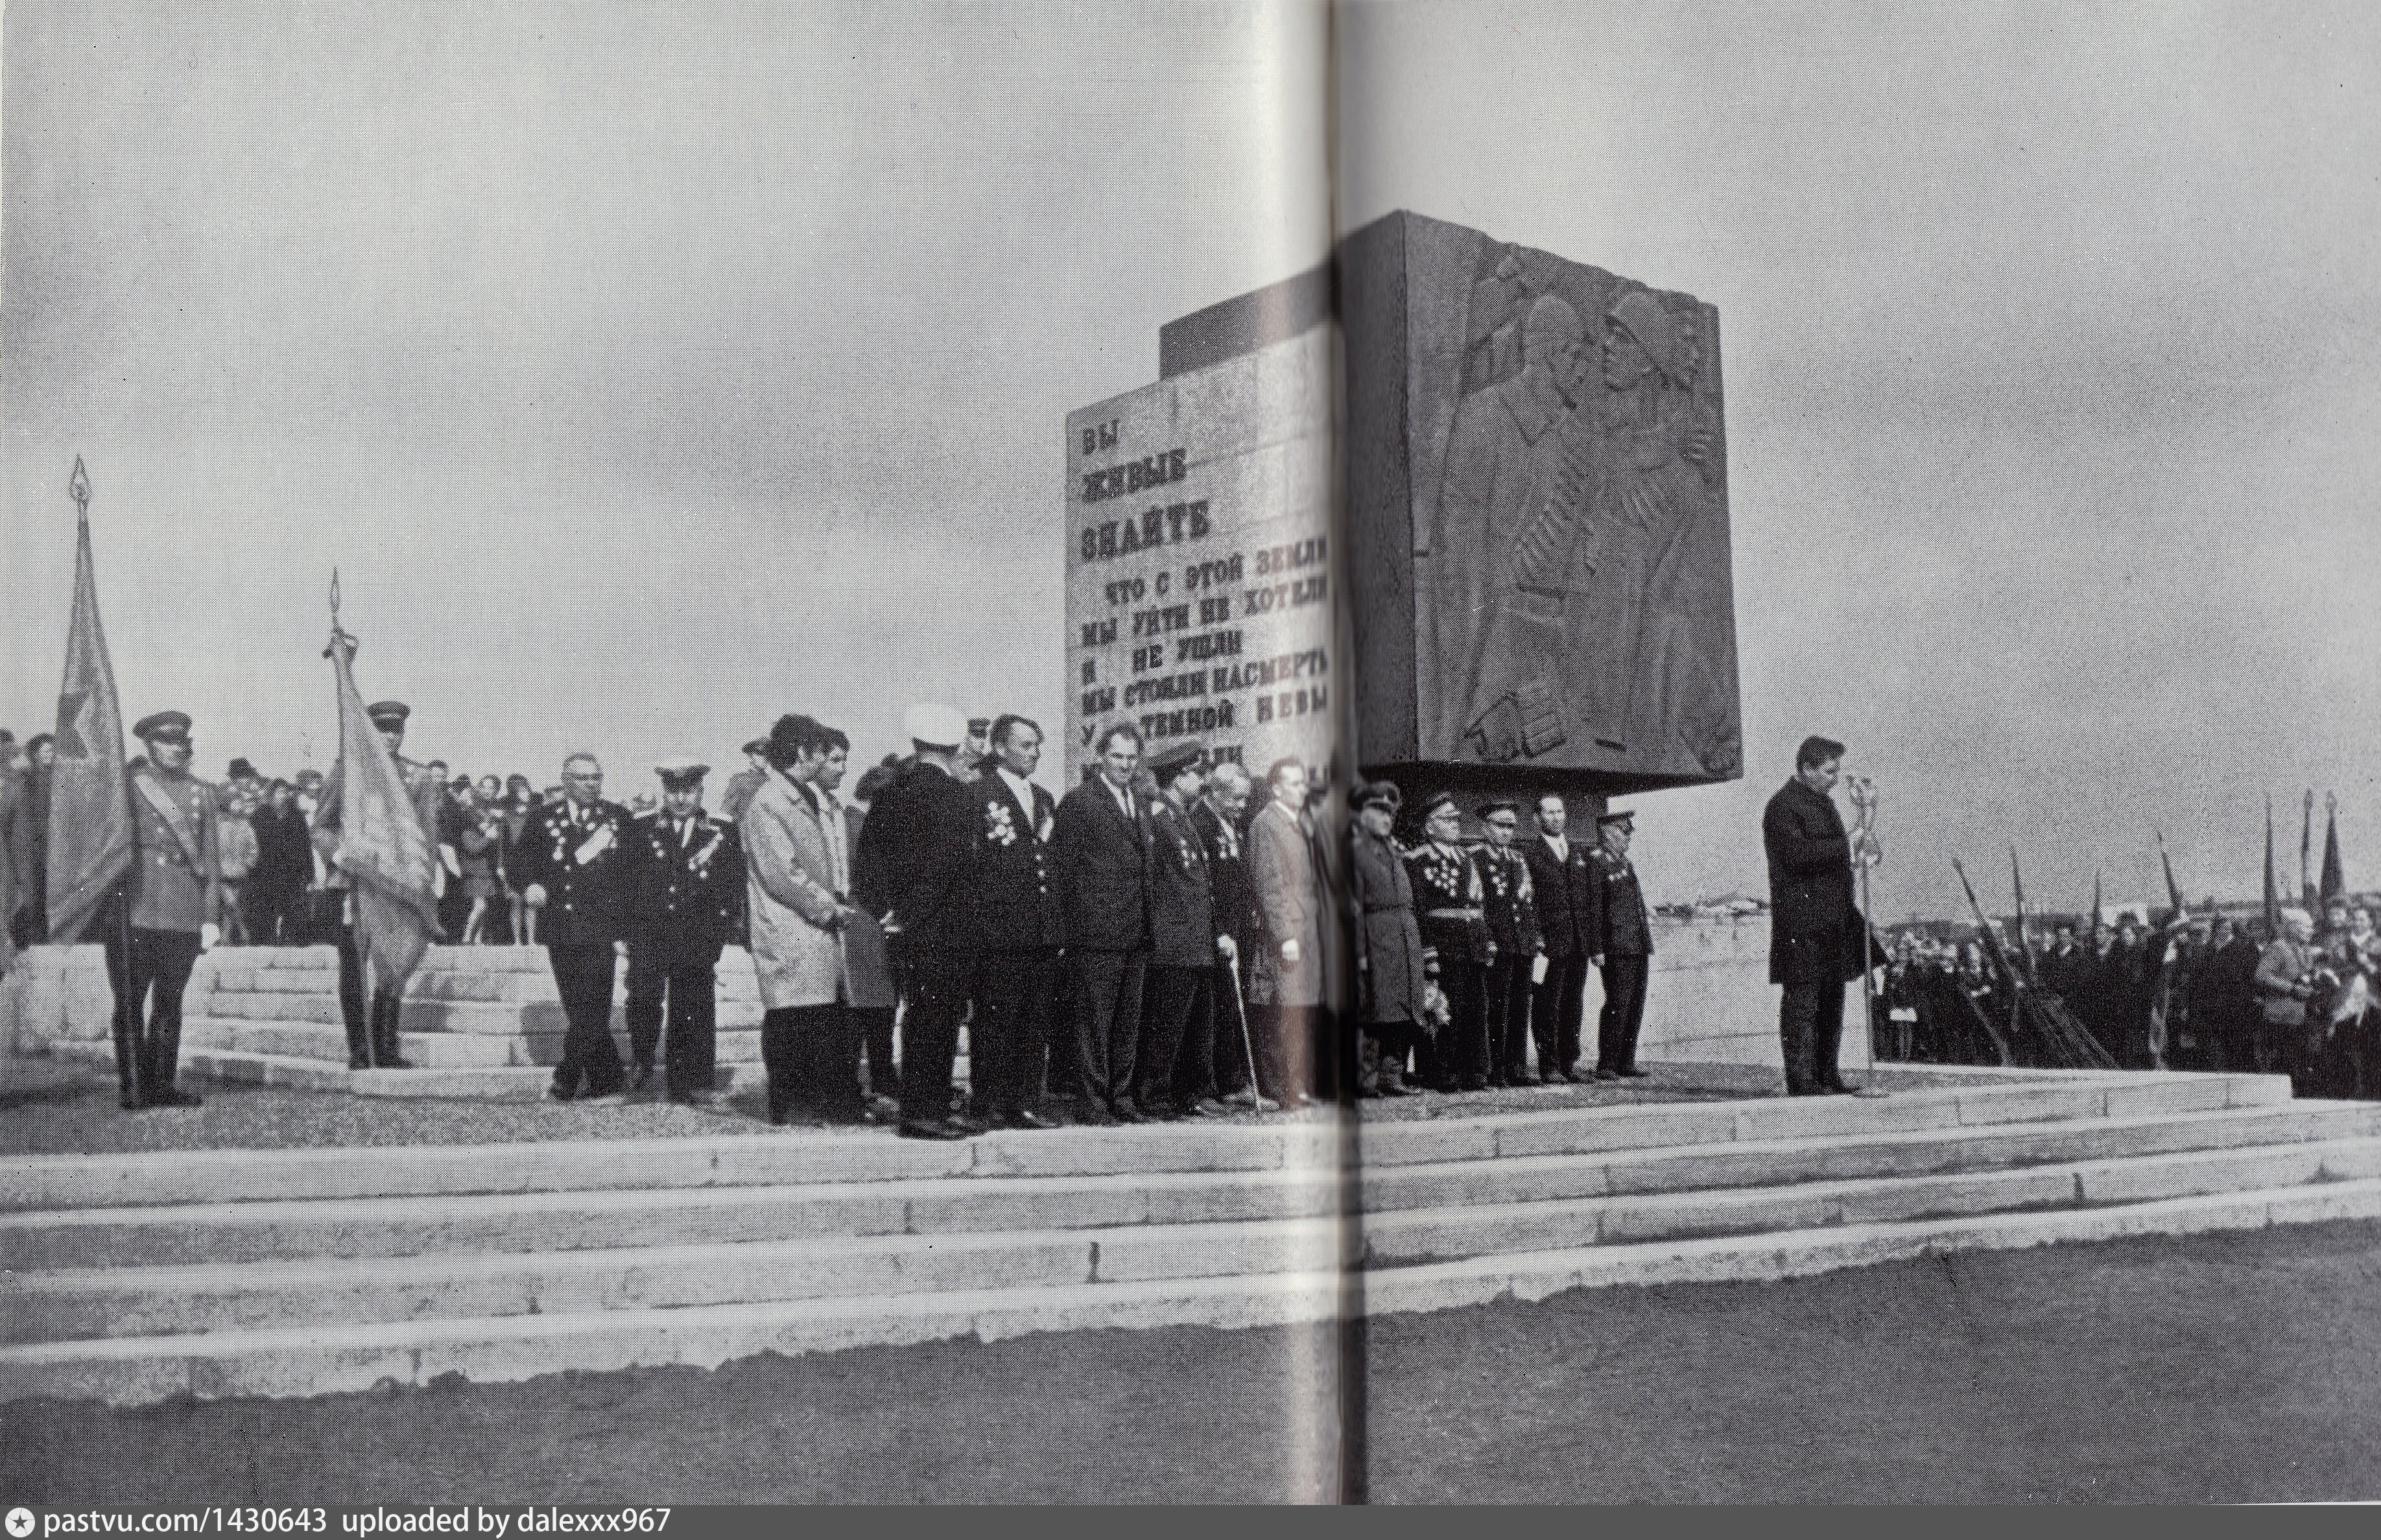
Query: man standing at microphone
column 1815, row 935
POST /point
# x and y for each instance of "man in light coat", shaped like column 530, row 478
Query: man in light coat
column 1287, row 881
column 797, row 896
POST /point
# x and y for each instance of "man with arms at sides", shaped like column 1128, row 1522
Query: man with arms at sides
column 575, row 859
column 686, row 890
column 1240, row 1052
column 1814, row 934
column 175, row 888
column 1288, row 885
column 1512, row 914
column 1624, row 950
column 1179, row 1005
column 1020, row 929
column 920, row 839
column 1456, row 945
column 1563, row 880
column 1390, row 977
column 1102, row 845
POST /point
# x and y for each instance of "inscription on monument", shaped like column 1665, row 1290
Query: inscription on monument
column 1198, row 589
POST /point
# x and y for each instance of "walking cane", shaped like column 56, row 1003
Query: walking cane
column 1241, row 1009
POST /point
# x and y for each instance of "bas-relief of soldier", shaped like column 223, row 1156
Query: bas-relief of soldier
column 1580, row 535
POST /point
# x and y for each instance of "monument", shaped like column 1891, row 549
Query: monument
column 1526, row 586
column 1201, row 596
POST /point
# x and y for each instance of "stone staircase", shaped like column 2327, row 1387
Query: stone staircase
column 137, row 1277
column 480, row 1022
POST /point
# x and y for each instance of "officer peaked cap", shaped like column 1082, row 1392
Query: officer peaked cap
column 165, row 726
column 679, row 773
column 1381, row 794
column 386, row 714
column 1167, row 763
column 1619, row 816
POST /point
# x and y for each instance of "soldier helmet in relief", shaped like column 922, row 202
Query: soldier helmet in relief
column 1623, row 817
column 1435, row 800
column 388, row 715
column 1167, row 763
column 679, row 774
column 934, row 726
column 162, row 726
column 1381, row 794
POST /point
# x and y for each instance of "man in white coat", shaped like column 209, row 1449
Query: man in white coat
column 798, row 863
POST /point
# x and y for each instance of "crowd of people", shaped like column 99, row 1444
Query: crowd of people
column 1169, row 939
column 2183, row 991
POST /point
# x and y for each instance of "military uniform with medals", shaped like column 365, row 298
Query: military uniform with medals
column 1456, row 950
column 579, row 854
column 1020, row 931
column 686, row 894
column 1509, row 905
column 173, row 893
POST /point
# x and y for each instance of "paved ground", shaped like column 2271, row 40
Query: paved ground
column 52, row 1106
column 2214, row 1368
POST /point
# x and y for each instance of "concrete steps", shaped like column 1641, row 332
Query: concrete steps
column 288, row 1272
column 473, row 1015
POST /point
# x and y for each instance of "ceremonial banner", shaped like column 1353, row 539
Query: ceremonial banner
column 91, row 821
column 382, row 847
column 2333, row 882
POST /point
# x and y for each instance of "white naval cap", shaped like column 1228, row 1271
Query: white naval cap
column 937, row 727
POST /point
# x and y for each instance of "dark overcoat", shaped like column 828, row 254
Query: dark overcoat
column 914, row 866
column 1814, row 930
column 1389, row 978
column 1181, row 899
column 686, row 890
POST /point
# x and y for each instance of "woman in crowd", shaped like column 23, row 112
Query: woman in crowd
column 478, row 848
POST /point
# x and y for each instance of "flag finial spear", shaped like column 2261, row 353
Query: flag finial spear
column 79, row 488
column 339, row 634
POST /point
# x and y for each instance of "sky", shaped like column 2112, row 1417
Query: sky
column 646, row 370
column 2052, row 339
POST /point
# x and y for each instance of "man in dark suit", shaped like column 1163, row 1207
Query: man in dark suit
column 1814, row 926
column 1563, row 879
column 1020, row 929
column 1177, row 1039
column 918, row 848
column 1247, row 1064
column 1624, row 951
column 575, row 858
column 1102, row 844
column 686, row 888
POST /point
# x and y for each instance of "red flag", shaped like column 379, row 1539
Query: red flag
column 382, row 847
column 90, row 817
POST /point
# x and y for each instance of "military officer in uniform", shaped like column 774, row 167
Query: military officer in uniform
column 1389, row 981
column 1176, row 1051
column 1020, row 929
column 172, row 891
column 686, row 888
column 1457, row 949
column 372, row 1046
column 1625, row 950
column 575, row 859
column 1511, row 910
column 1562, row 878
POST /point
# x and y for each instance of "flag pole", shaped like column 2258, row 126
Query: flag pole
column 132, row 1072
